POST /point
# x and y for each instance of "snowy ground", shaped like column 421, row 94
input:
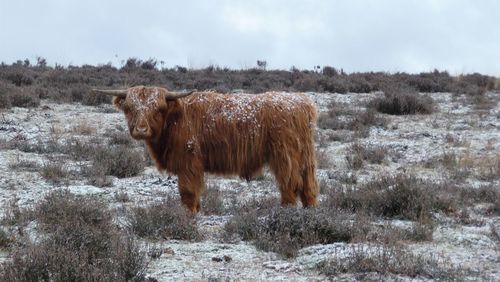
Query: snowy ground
column 411, row 141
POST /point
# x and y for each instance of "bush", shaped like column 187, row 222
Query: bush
column 358, row 154
column 120, row 138
column 14, row 215
column 484, row 82
column 402, row 101
column 403, row 197
column 5, row 239
column 337, row 117
column 340, row 117
column 286, row 230
column 334, row 85
column 330, row 71
column 366, row 119
column 17, row 96
column 5, row 89
column 166, row 219
column 24, row 97
column 387, row 260
column 119, row 161
column 92, row 99
column 77, row 149
column 323, row 159
column 60, row 207
column 212, row 202
column 435, row 81
column 17, row 75
column 51, row 261
column 359, row 84
column 70, row 84
column 81, row 245
column 121, row 197
column 54, row 172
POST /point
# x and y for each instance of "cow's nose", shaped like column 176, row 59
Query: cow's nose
column 141, row 129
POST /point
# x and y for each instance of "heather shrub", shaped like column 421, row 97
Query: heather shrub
column 81, row 244
column 92, row 99
column 17, row 96
column 119, row 161
column 54, row 171
column 286, row 230
column 435, row 81
column 120, row 138
column 401, row 196
column 358, row 154
column 24, row 97
column 4, row 95
column 402, row 101
column 5, row 239
column 387, row 260
column 167, row 219
column 19, row 76
column 71, row 83
column 337, row 84
column 212, row 201
column 330, row 71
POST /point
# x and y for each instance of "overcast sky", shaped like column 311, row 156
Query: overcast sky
column 385, row 35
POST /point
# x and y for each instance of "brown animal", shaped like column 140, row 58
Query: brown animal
column 190, row 133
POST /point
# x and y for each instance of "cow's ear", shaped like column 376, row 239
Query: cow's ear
column 171, row 108
column 119, row 102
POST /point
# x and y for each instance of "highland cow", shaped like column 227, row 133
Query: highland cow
column 190, row 133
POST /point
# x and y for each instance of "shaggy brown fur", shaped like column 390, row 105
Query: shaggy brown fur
column 227, row 135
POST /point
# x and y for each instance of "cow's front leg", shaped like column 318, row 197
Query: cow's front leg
column 191, row 186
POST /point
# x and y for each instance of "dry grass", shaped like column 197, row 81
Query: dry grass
column 489, row 168
column 465, row 165
column 84, row 128
column 23, row 165
column 15, row 215
column 54, row 171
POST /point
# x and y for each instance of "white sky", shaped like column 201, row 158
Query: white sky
column 385, row 35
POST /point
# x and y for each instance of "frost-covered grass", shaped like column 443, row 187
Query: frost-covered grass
column 428, row 183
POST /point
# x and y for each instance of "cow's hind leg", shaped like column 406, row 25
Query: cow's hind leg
column 309, row 191
column 288, row 177
column 191, row 187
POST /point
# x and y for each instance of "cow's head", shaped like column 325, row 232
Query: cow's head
column 145, row 108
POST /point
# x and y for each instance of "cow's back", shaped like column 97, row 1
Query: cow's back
column 237, row 133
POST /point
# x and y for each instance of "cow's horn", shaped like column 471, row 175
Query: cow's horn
column 176, row 95
column 117, row 92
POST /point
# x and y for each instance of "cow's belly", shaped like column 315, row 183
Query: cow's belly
column 224, row 158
